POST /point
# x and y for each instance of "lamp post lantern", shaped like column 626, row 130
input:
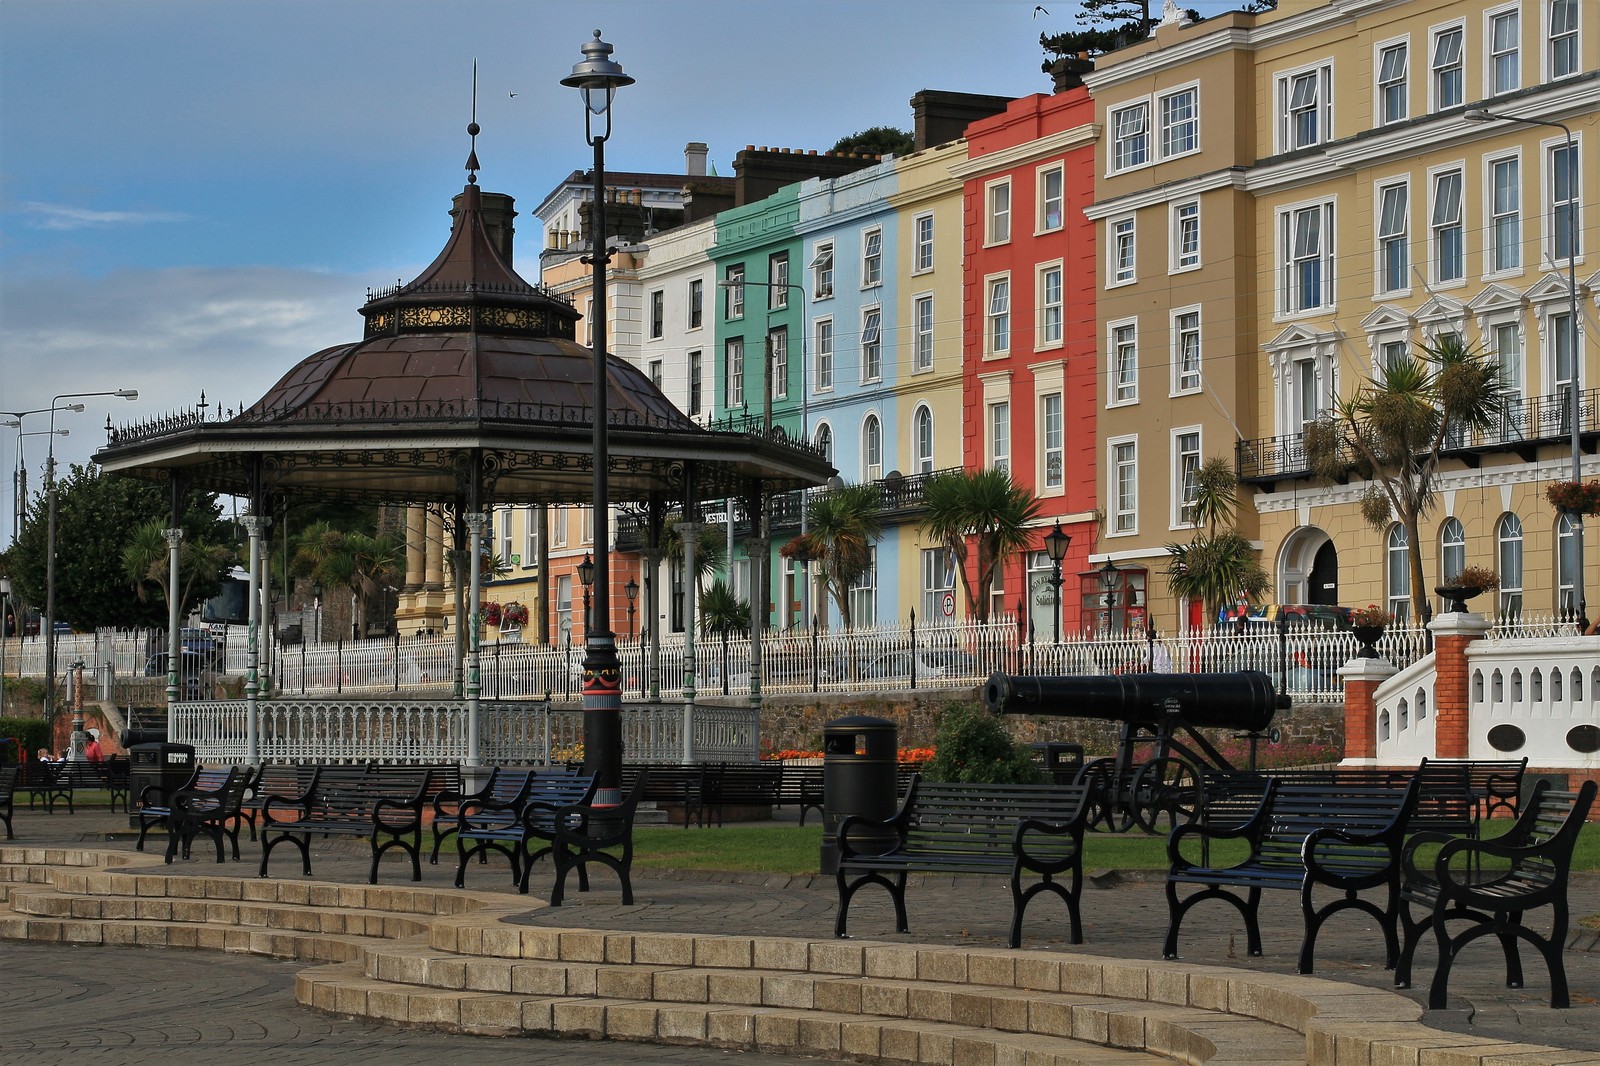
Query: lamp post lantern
column 632, row 590
column 1056, row 543
column 50, row 541
column 586, row 579
column 597, row 77
column 1575, row 350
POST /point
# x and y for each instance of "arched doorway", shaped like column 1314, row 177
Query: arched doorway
column 1308, row 568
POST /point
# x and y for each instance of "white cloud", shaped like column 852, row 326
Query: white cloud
column 64, row 217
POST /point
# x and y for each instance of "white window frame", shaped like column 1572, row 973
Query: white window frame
column 922, row 230
column 1556, row 42
column 998, row 425
column 1185, row 467
column 1513, row 376
column 502, row 523
column 777, row 281
column 1393, row 233
column 1128, row 126
column 1442, row 69
column 1497, row 214
column 1397, row 572
column 658, row 313
column 1051, row 197
column 871, row 447
column 1287, row 106
column 1492, row 20
column 1167, row 127
column 1187, row 340
column 1392, row 85
column 822, row 347
column 1122, row 251
column 1052, row 442
column 558, row 536
column 1442, row 224
column 938, row 580
column 1291, row 255
column 823, row 439
column 1452, row 549
column 871, row 345
column 1122, row 486
column 1050, row 301
column 778, row 344
column 922, row 439
column 1184, row 233
column 822, row 271
column 872, row 257
column 655, row 372
column 530, row 537
column 1122, row 362
column 864, row 592
column 734, row 276
column 696, row 381
column 697, row 304
column 733, row 372
column 997, row 212
column 1556, row 231
column 996, row 315
column 1566, row 564
column 922, row 325
column 1508, row 556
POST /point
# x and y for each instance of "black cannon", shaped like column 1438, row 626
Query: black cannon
column 1161, row 712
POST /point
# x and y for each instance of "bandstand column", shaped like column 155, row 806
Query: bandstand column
column 255, row 527
column 174, row 538
column 476, row 522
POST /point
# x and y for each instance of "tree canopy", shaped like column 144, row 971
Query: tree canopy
column 984, row 506
column 1105, row 25
column 98, row 517
column 879, row 140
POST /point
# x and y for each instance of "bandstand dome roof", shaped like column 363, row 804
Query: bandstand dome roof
column 468, row 384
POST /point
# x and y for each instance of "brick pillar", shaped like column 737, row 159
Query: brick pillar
column 1451, row 635
column 1361, row 680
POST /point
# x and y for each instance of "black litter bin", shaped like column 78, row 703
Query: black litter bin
column 858, row 777
column 1062, row 760
column 168, row 767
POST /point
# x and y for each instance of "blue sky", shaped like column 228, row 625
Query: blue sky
column 196, row 194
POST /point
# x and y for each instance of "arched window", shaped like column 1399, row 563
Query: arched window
column 1399, row 574
column 824, row 441
column 922, row 441
column 1508, row 552
column 1452, row 553
column 1566, row 565
column 871, row 449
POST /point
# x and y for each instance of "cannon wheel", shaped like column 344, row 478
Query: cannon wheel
column 1109, row 813
column 1164, row 786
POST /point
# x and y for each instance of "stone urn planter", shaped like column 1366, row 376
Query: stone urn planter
column 1368, row 636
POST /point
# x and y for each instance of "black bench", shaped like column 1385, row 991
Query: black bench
column 671, row 783
column 1343, row 836
column 504, row 786
column 273, row 779
column 213, row 811
column 8, row 787
column 1492, row 885
column 1011, row 830
column 581, row 834
column 502, row 822
column 155, row 804
column 800, row 786
column 1445, row 800
column 748, row 785
column 382, row 803
column 39, row 781
column 1495, row 784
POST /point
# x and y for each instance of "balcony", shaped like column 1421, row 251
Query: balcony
column 1523, row 427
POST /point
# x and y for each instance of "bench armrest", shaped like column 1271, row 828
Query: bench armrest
column 470, row 815
column 1408, row 854
column 1248, row 830
column 411, row 807
column 854, row 822
column 283, row 803
column 585, row 826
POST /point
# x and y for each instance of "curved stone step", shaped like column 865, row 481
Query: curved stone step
column 277, row 944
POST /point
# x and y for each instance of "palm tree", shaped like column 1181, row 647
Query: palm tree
column 1394, row 432
column 723, row 612
column 710, row 546
column 1215, row 567
column 843, row 525
column 364, row 564
column 146, row 562
column 983, row 506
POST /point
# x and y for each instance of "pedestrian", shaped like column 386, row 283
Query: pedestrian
column 91, row 750
column 43, row 755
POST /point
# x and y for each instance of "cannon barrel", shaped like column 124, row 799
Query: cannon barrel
column 1244, row 700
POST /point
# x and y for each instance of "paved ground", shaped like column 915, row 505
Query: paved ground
column 114, row 1005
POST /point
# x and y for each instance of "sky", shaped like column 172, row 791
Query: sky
column 195, row 195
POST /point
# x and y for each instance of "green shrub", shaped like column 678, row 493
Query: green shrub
column 971, row 746
column 31, row 733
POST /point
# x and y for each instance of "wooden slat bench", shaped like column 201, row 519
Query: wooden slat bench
column 8, row 788
column 383, row 804
column 213, row 811
column 1343, row 836
column 1492, row 884
column 511, row 825
column 1003, row 830
column 155, row 807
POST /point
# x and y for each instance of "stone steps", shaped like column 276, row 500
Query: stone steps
column 457, row 960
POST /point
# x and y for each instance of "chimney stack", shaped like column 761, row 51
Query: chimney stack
column 694, row 159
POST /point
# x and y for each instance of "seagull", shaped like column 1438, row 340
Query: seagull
column 513, row 95
column 1038, row 9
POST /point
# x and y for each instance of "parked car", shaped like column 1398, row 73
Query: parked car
column 202, row 642
column 896, row 665
column 191, row 666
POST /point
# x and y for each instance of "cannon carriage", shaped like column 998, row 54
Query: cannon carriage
column 1162, row 759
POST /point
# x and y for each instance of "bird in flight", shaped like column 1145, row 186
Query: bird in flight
column 1038, row 9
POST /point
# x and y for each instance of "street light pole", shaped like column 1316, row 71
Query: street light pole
column 1056, row 543
column 1478, row 114
column 598, row 78
column 50, row 541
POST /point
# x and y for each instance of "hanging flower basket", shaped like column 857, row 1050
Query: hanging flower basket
column 490, row 613
column 1574, row 497
column 515, row 615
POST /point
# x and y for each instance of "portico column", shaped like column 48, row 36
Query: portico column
column 476, row 522
column 255, row 527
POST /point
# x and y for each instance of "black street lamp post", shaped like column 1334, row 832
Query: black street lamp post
column 1056, row 544
column 1111, row 581
column 598, row 78
column 586, row 579
column 632, row 589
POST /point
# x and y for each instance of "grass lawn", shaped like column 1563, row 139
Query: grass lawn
column 794, row 849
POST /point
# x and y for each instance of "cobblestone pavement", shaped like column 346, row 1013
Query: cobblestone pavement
column 1124, row 916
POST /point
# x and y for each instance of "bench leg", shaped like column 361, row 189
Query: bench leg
column 1249, row 908
column 1410, row 936
column 1351, row 900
